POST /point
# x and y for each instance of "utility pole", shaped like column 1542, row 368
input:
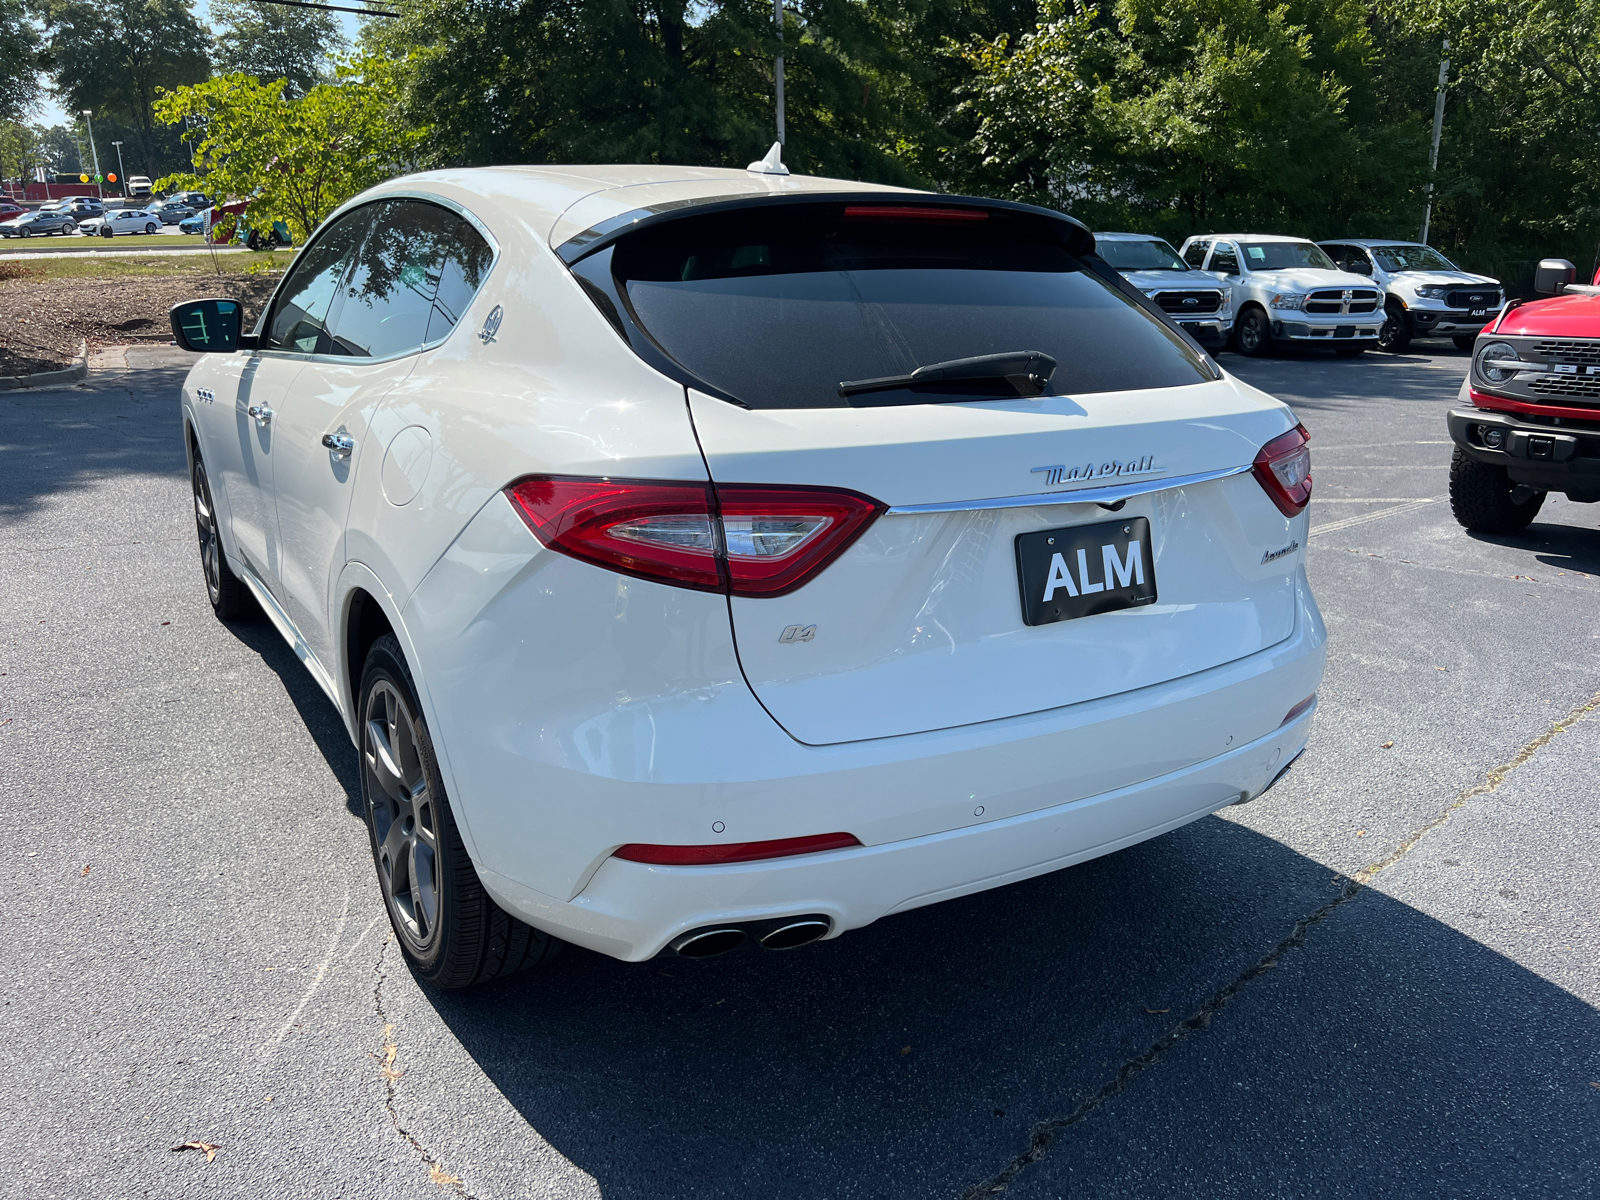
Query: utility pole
column 93, row 153
column 777, row 17
column 122, row 176
column 1438, row 128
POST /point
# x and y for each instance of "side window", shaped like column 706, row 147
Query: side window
column 1224, row 259
column 1195, row 255
column 416, row 273
column 300, row 314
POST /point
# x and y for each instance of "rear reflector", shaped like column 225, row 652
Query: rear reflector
column 1283, row 468
column 747, row 539
column 1298, row 709
column 733, row 852
column 907, row 212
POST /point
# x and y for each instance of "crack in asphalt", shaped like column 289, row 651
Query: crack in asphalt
column 391, row 1074
column 1044, row 1133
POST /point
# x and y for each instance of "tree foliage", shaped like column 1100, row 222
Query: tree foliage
column 19, row 61
column 115, row 59
column 293, row 159
column 271, row 41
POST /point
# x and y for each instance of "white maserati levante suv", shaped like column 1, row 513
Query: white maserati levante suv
column 705, row 557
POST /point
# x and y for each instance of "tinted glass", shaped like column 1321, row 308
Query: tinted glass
column 1225, row 260
column 1412, row 258
column 1151, row 255
column 1282, row 256
column 779, row 307
column 416, row 272
column 299, row 316
column 1195, row 255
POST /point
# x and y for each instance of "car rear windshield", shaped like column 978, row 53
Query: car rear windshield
column 1284, row 256
column 777, row 308
column 1129, row 255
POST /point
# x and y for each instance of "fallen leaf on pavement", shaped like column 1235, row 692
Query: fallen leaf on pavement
column 1361, row 833
column 1386, row 746
column 166, row 622
column 905, row 1049
column 85, row 870
column 210, row 1148
column 439, row 1176
column 1156, row 1010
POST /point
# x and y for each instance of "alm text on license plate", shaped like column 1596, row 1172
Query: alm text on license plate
column 1085, row 569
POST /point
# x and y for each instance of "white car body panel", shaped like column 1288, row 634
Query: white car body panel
column 574, row 709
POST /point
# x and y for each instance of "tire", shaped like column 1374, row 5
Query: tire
column 26, row 232
column 273, row 240
column 229, row 597
column 453, row 935
column 1395, row 334
column 1464, row 341
column 152, row 227
column 1482, row 497
column 1253, row 333
column 254, row 241
column 1349, row 351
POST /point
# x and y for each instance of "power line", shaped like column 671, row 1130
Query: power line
column 362, row 12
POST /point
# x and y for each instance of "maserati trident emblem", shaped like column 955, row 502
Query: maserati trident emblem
column 1061, row 475
column 491, row 324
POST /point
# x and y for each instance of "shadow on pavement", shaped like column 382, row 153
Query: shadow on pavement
column 1571, row 548
column 912, row 1058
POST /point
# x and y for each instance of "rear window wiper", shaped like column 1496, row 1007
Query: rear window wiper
column 1026, row 370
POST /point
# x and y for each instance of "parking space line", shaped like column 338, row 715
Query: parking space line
column 1363, row 518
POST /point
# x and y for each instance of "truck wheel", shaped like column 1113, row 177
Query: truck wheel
column 1465, row 341
column 1394, row 335
column 1253, row 333
column 1484, row 499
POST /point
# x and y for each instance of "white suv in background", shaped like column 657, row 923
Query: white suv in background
column 1287, row 290
column 1201, row 304
column 1427, row 294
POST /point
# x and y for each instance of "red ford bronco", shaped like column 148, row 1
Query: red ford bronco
column 1534, row 424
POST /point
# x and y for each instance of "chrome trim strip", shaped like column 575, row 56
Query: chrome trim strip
column 1099, row 495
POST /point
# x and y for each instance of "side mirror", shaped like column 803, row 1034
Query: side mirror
column 1553, row 276
column 1359, row 267
column 210, row 326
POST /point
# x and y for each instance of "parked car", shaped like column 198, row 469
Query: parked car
column 1533, row 425
column 126, row 220
column 1426, row 293
column 139, row 186
column 1199, row 303
column 1286, row 290
column 194, row 224
column 275, row 236
column 34, row 224
column 82, row 207
column 171, row 212
column 671, row 603
column 8, row 210
column 198, row 201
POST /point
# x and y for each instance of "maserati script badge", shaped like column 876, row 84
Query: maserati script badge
column 1060, row 474
column 491, row 325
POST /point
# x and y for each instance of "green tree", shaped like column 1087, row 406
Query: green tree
column 271, row 41
column 116, row 58
column 293, row 159
column 19, row 61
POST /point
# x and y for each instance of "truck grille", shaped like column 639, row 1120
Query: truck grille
column 1342, row 300
column 1584, row 386
column 1473, row 298
column 1584, row 353
column 1189, row 303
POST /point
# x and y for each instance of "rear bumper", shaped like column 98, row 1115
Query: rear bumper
column 1004, row 772
column 1548, row 458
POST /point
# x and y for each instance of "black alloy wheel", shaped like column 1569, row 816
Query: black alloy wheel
column 254, row 240
column 230, row 599
column 1253, row 333
column 1484, row 499
column 1394, row 335
column 452, row 933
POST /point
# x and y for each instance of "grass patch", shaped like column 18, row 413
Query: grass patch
column 44, row 268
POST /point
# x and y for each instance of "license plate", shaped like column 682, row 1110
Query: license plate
column 1480, row 312
column 1344, row 331
column 1085, row 569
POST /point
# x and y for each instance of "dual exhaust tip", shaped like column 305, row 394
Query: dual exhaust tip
column 785, row 934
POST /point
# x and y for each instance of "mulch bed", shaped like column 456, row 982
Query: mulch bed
column 43, row 321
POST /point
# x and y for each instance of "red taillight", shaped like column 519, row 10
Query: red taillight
column 907, row 212
column 750, row 539
column 1283, row 468
column 733, row 852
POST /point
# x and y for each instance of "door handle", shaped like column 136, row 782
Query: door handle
column 340, row 443
column 261, row 413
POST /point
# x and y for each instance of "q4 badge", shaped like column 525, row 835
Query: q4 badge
column 491, row 325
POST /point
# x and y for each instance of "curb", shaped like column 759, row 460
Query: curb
column 78, row 370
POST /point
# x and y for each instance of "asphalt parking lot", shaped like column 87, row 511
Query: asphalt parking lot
column 1380, row 979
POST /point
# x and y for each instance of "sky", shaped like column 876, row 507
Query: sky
column 50, row 111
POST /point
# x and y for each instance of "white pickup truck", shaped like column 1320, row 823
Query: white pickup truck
column 1285, row 289
column 1426, row 295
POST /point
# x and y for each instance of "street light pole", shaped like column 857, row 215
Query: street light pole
column 777, row 17
column 1438, row 128
column 93, row 153
column 122, row 176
